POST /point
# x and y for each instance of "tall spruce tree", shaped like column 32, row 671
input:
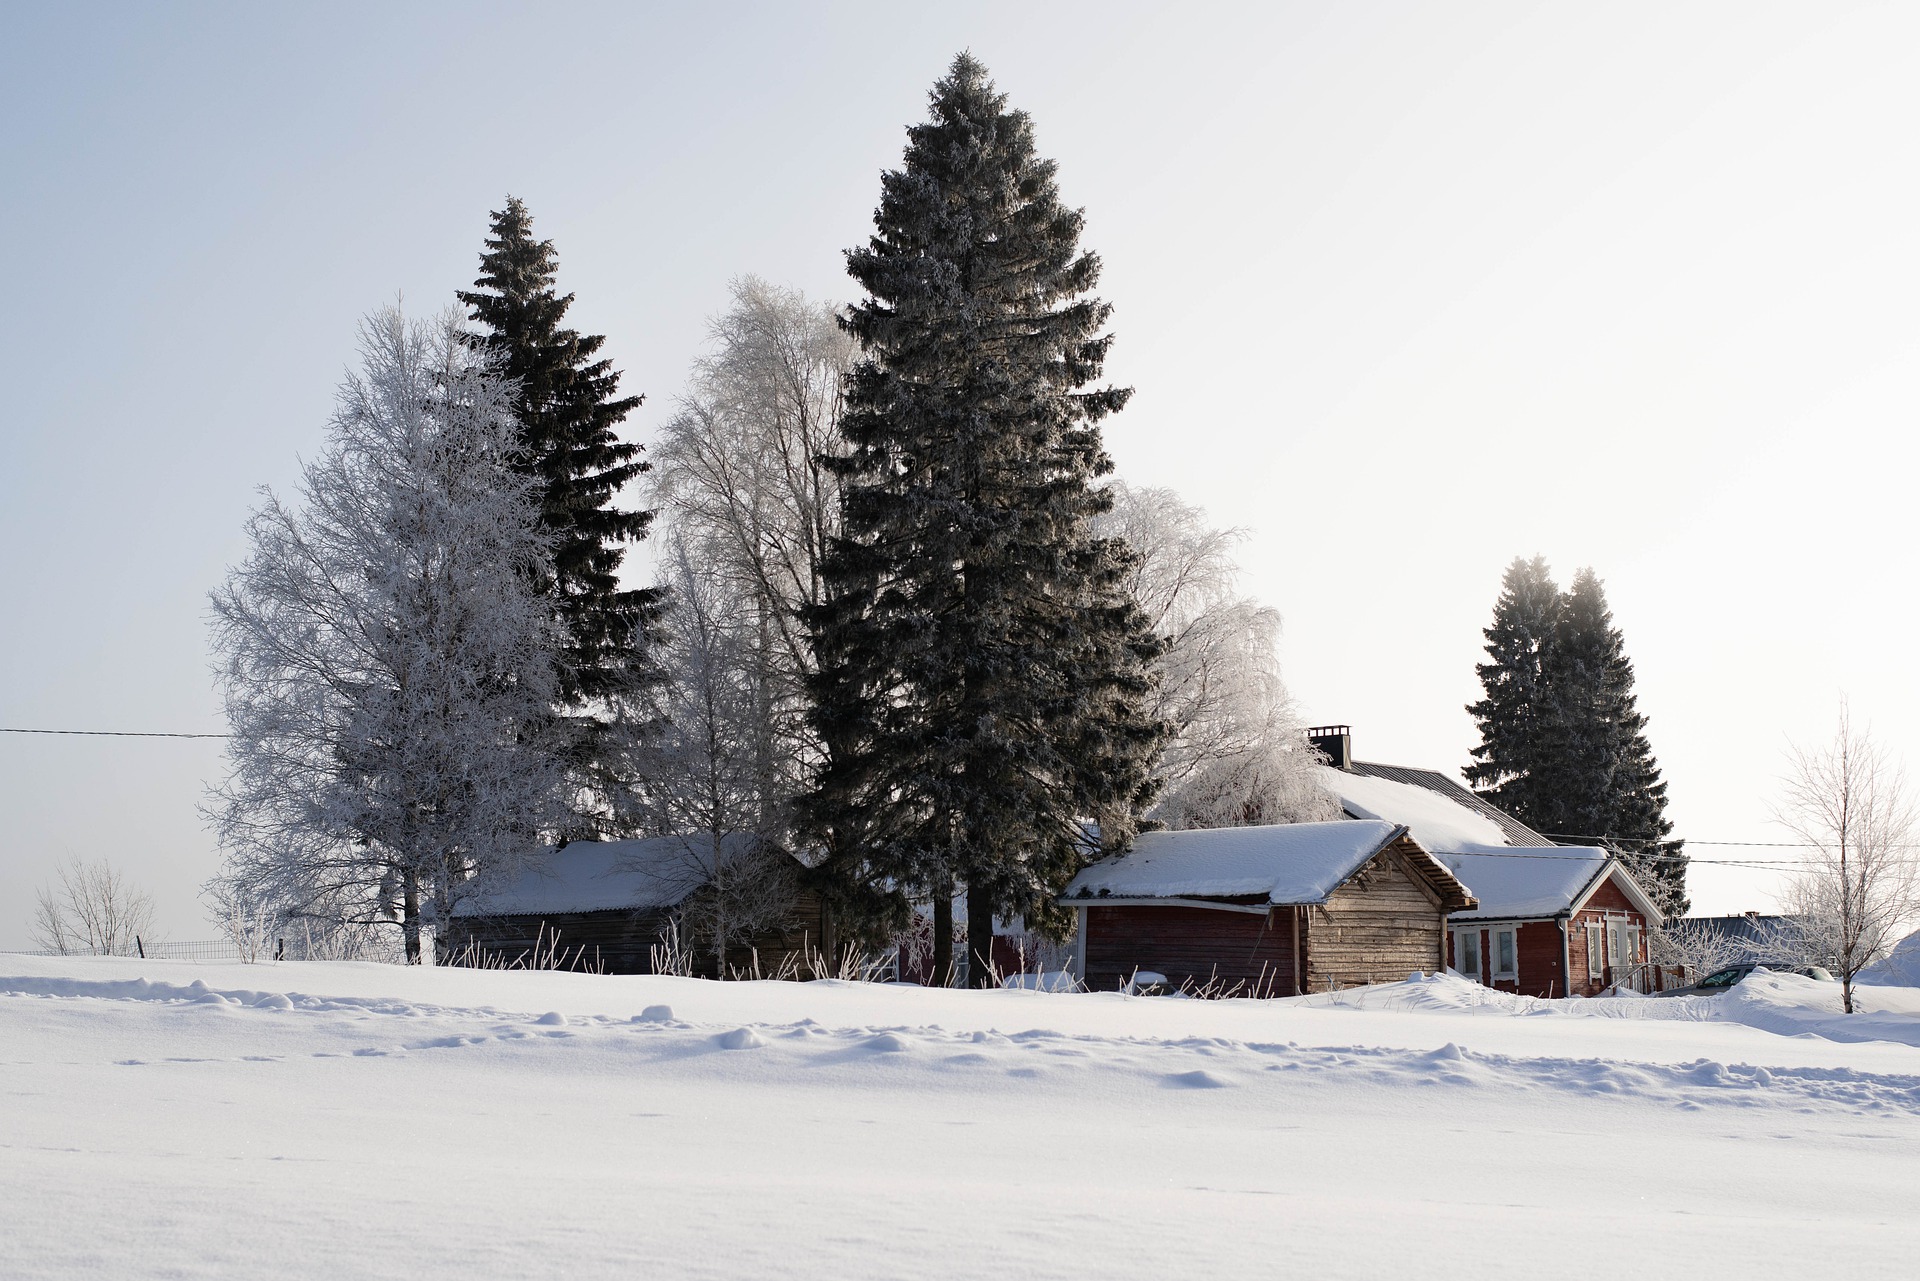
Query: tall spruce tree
column 1514, row 714
column 1597, row 779
column 983, row 676
column 568, row 406
column 1563, row 744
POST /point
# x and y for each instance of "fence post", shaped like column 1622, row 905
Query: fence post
column 142, row 947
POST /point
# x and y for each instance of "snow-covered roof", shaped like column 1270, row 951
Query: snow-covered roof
column 1287, row 863
column 1438, row 823
column 1517, row 882
column 1517, row 833
column 1511, row 881
column 604, row 876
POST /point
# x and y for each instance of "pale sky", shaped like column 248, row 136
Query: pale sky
column 1405, row 291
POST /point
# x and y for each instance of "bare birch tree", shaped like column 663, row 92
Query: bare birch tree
column 1237, row 755
column 1849, row 802
column 385, row 660
column 741, row 485
column 95, row 911
column 719, row 795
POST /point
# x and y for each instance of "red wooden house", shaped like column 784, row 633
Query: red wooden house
column 1552, row 920
column 1555, row 921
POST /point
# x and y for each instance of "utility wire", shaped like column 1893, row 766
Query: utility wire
column 1565, row 836
column 111, row 733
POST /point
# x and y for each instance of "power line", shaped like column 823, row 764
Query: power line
column 111, row 733
column 1509, row 853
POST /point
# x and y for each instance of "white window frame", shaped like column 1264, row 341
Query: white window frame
column 1596, row 949
column 1493, row 953
column 1479, row 953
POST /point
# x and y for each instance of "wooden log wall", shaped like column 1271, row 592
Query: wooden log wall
column 622, row 941
column 1380, row 926
column 617, row 942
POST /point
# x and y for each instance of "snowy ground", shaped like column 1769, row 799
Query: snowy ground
column 170, row 1119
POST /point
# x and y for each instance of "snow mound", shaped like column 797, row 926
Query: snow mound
column 1901, row 968
column 1198, row 1079
column 741, row 1038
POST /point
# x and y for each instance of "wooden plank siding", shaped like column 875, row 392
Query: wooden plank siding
column 1190, row 945
column 1381, row 925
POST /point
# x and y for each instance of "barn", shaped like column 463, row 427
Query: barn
column 1269, row 911
column 605, row 906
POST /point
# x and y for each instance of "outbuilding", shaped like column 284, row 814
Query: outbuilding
column 1265, row 911
column 609, row 907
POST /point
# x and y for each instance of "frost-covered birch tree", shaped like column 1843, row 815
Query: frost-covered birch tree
column 715, row 787
column 740, row 482
column 1849, row 802
column 1236, row 754
column 385, row 658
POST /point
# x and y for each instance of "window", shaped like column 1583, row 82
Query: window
column 1506, row 958
column 1596, row 951
column 1466, row 953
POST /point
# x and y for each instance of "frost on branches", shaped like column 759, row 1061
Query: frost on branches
column 1859, row 886
column 385, row 660
column 751, row 505
column 1235, row 754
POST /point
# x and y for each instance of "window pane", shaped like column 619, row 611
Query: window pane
column 1503, row 950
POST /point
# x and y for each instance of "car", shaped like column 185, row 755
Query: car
column 1722, row 979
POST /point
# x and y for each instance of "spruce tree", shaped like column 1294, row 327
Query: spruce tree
column 1514, row 714
column 1597, row 780
column 1563, row 744
column 983, row 676
column 568, row 407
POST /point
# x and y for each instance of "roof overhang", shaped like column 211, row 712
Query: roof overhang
column 1211, row 905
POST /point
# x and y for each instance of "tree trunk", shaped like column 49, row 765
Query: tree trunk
column 979, row 939
column 410, row 914
column 942, row 936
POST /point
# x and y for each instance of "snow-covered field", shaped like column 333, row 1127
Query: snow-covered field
column 169, row 1119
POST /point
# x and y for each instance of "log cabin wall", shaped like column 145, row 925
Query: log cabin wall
column 622, row 941
column 797, row 939
column 614, row 942
column 1380, row 926
column 1190, row 945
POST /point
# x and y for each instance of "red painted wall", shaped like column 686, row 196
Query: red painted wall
column 1190, row 945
